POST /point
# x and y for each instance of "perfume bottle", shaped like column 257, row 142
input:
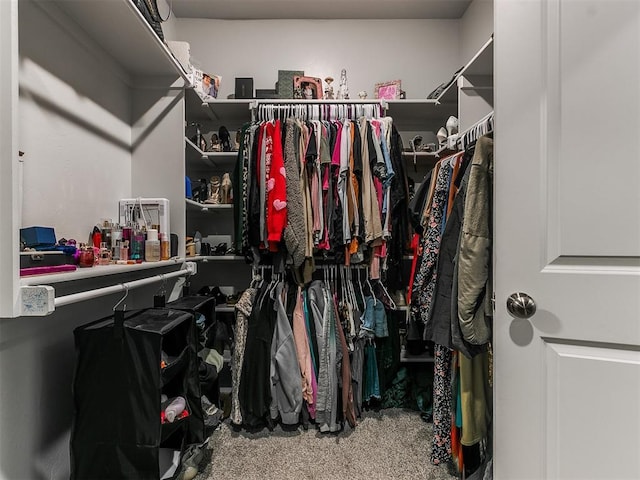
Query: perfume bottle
column 152, row 246
column 124, row 250
column 86, row 258
column 165, row 246
column 116, row 241
column 137, row 245
column 105, row 254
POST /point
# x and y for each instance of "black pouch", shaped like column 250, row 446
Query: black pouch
column 149, row 10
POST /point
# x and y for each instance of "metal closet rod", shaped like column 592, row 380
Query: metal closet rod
column 122, row 287
column 294, row 101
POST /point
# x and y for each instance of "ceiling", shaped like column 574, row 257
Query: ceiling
column 319, row 9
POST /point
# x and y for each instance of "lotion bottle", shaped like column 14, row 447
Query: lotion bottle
column 152, row 246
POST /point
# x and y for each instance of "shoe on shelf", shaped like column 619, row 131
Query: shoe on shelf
column 225, row 189
column 452, row 125
column 442, row 137
column 214, row 191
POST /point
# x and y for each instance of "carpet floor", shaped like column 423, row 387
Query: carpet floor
column 389, row 444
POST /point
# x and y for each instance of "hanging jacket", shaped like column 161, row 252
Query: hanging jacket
column 286, row 381
column 474, row 258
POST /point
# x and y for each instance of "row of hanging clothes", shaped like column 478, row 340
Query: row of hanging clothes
column 450, row 298
column 307, row 355
column 323, row 182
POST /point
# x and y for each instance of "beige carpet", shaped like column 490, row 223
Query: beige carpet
column 390, row 444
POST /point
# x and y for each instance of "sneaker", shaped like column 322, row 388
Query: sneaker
column 191, row 460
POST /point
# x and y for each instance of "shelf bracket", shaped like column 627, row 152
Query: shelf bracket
column 37, row 300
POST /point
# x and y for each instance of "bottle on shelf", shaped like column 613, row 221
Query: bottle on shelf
column 152, row 246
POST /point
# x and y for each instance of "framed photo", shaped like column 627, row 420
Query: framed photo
column 308, row 88
column 388, row 90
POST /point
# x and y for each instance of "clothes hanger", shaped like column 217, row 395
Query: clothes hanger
column 118, row 315
column 159, row 300
column 386, row 294
column 375, row 300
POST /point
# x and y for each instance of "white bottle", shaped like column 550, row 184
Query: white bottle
column 152, row 246
column 174, row 409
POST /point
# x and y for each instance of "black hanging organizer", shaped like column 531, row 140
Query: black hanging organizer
column 124, row 364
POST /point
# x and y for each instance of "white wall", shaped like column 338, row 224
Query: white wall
column 74, row 122
column 476, row 26
column 421, row 53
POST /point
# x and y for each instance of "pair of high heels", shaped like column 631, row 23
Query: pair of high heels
column 448, row 137
column 219, row 190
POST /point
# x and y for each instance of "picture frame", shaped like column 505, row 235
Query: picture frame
column 388, row 90
column 305, row 87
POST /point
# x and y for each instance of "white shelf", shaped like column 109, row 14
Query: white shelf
column 480, row 65
column 205, row 207
column 442, row 151
column 97, row 271
column 217, row 258
column 212, row 158
column 140, row 52
column 231, row 112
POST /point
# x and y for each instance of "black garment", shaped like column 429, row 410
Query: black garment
column 399, row 211
column 253, row 223
column 255, row 387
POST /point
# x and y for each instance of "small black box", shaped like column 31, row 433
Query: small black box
column 244, row 87
column 266, row 93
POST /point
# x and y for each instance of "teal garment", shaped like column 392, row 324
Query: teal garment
column 371, row 380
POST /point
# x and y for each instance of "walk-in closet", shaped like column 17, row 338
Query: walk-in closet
column 319, row 239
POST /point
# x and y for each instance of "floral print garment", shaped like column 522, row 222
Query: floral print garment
column 441, row 447
column 425, row 280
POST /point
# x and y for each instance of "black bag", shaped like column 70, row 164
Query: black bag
column 149, row 10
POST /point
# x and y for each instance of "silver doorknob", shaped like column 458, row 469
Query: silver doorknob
column 521, row 305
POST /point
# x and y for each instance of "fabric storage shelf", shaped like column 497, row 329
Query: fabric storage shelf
column 119, row 416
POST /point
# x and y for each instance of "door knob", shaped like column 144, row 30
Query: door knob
column 521, row 305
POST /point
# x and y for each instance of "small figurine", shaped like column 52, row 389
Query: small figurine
column 328, row 91
column 343, row 89
column 362, row 94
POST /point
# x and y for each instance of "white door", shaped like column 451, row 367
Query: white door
column 567, row 233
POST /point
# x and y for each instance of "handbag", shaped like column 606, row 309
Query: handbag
column 149, row 10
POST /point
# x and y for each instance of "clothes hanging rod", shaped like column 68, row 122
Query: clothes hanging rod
column 189, row 268
column 294, row 101
column 477, row 124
